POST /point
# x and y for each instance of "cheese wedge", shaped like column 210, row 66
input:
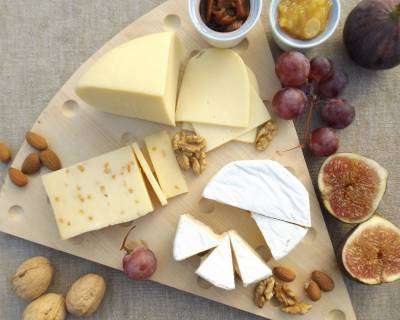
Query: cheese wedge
column 280, row 236
column 149, row 174
column 249, row 137
column 97, row 193
column 193, row 237
column 137, row 79
column 217, row 267
column 215, row 90
column 248, row 264
column 264, row 187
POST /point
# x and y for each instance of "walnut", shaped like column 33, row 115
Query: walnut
column 284, row 294
column 189, row 151
column 265, row 135
column 32, row 278
column 298, row 308
column 264, row 291
column 51, row 306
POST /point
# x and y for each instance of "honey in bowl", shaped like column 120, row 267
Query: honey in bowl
column 304, row 19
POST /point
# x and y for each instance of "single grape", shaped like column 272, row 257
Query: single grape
column 334, row 85
column 289, row 103
column 140, row 264
column 323, row 142
column 292, row 69
column 338, row 113
column 321, row 68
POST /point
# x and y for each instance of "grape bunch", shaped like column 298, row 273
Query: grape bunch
column 319, row 84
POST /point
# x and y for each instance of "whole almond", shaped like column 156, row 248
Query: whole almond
column 50, row 160
column 17, row 177
column 36, row 141
column 31, row 164
column 5, row 153
column 284, row 274
column 324, row 281
column 313, row 290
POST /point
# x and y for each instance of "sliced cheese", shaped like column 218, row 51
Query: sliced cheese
column 249, row 137
column 248, row 264
column 97, row 193
column 215, row 90
column 193, row 237
column 280, row 236
column 137, row 79
column 167, row 169
column 217, row 267
column 264, row 187
column 149, row 174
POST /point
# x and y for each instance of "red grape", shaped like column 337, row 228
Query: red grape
column 140, row 264
column 321, row 67
column 288, row 103
column 292, row 69
column 334, row 85
column 338, row 113
column 323, row 142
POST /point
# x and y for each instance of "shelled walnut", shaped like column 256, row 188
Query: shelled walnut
column 284, row 294
column 264, row 291
column 298, row 308
column 265, row 135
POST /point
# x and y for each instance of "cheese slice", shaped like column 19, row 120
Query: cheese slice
column 248, row 264
column 280, row 236
column 137, row 79
column 264, row 187
column 167, row 169
column 193, row 237
column 215, row 90
column 249, row 137
column 217, row 267
column 97, row 193
column 149, row 174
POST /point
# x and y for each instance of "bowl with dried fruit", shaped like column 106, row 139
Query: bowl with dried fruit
column 303, row 24
column 224, row 23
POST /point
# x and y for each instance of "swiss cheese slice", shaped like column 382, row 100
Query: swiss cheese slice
column 97, row 193
column 137, row 79
column 215, row 90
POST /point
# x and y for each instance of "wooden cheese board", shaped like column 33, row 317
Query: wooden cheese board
column 78, row 132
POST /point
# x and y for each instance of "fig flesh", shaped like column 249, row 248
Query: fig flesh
column 351, row 186
column 371, row 254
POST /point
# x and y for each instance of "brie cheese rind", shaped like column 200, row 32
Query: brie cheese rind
column 264, row 187
column 248, row 264
column 280, row 236
column 193, row 237
column 217, row 267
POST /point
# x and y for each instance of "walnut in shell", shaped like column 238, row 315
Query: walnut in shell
column 51, row 306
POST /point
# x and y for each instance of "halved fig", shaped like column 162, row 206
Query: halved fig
column 351, row 186
column 371, row 254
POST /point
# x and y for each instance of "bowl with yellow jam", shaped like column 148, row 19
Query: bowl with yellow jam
column 303, row 24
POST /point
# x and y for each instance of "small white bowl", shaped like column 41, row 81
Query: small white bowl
column 288, row 43
column 224, row 39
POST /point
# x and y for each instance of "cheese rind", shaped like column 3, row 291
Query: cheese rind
column 193, row 237
column 137, row 79
column 167, row 169
column 97, row 193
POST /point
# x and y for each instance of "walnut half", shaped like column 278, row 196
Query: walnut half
column 265, row 135
column 298, row 308
column 264, row 291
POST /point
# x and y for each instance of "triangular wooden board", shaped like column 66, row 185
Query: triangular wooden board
column 78, row 132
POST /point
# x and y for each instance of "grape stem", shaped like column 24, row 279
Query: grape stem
column 311, row 102
column 123, row 246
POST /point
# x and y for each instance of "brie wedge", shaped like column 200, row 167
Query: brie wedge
column 193, row 237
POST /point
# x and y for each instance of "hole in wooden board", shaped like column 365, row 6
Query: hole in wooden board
column 203, row 283
column 69, row 108
column 127, row 138
column 206, row 205
column 264, row 252
column 15, row 213
column 243, row 46
column 336, row 315
column 172, row 22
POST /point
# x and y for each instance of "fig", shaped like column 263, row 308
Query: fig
column 351, row 186
column 371, row 254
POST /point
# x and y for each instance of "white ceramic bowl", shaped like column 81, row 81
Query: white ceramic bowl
column 288, row 43
column 224, row 39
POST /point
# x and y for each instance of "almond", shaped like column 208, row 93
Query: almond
column 31, row 164
column 36, row 141
column 5, row 153
column 17, row 177
column 313, row 290
column 284, row 274
column 50, row 160
column 324, row 281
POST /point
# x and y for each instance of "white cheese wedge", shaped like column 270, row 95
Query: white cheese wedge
column 167, row 169
column 215, row 90
column 248, row 264
column 149, row 174
column 280, row 236
column 217, row 267
column 97, row 193
column 193, row 237
column 137, row 79
column 264, row 187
